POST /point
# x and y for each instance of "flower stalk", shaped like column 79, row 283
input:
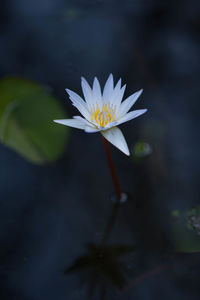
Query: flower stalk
column 112, row 170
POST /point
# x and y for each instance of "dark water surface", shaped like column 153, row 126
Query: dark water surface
column 61, row 236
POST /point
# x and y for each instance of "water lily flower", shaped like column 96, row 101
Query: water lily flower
column 103, row 111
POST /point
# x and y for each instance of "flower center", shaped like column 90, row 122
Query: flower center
column 103, row 116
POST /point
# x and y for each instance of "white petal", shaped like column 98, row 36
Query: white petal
column 79, row 103
column 128, row 103
column 110, row 125
column 119, row 96
column 87, row 92
column 118, row 86
column 115, row 137
column 90, row 129
column 71, row 123
column 108, row 88
column 97, row 92
column 131, row 115
column 115, row 92
column 84, row 121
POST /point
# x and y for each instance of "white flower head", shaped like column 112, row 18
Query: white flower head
column 103, row 111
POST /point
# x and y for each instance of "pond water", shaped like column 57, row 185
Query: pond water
column 62, row 235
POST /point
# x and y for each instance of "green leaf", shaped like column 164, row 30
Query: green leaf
column 27, row 111
column 186, row 230
column 140, row 151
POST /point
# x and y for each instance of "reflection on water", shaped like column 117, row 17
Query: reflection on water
column 101, row 266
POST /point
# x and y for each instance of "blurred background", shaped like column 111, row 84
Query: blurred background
column 62, row 237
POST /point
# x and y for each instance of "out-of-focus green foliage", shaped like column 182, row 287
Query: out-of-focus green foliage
column 186, row 230
column 176, row 213
column 27, row 111
column 73, row 14
column 141, row 150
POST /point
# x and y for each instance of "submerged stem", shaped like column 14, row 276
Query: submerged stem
column 111, row 222
column 112, row 169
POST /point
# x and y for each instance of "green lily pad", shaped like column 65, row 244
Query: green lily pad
column 27, row 111
column 186, row 230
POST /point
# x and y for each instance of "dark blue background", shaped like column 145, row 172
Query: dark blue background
column 48, row 214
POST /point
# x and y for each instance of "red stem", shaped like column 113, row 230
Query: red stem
column 112, row 169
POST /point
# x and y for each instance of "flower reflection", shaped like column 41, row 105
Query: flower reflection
column 101, row 267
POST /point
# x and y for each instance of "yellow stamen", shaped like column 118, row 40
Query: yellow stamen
column 103, row 116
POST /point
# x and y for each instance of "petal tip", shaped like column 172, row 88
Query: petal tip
column 60, row 121
column 68, row 91
column 83, row 79
column 123, row 87
column 110, row 80
column 95, row 80
column 140, row 91
column 127, row 153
